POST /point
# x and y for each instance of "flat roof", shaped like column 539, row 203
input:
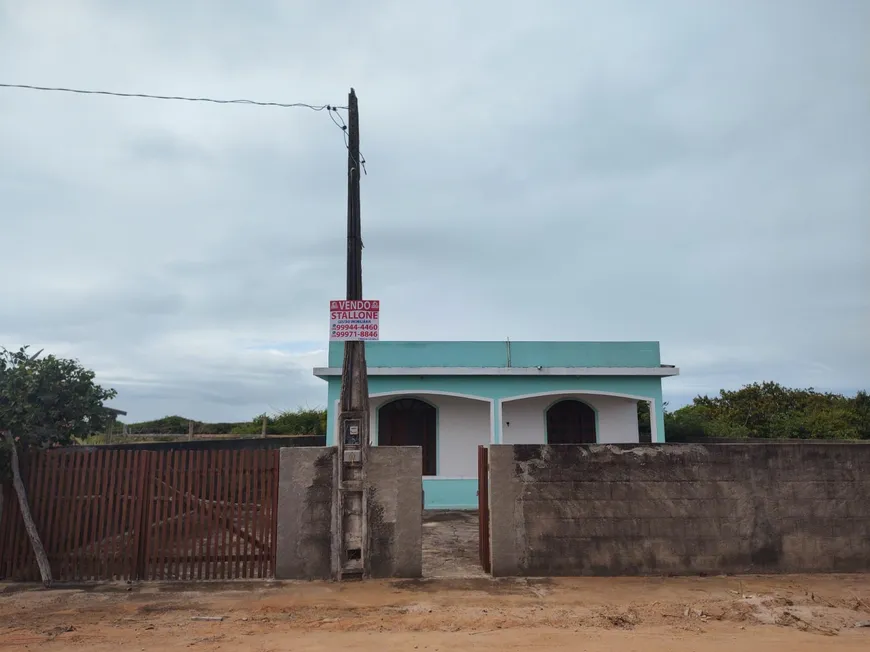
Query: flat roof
column 660, row 371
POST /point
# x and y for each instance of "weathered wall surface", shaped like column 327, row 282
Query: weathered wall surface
column 305, row 512
column 394, row 491
column 305, row 498
column 679, row 508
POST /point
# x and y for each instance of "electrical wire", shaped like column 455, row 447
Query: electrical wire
column 331, row 109
column 293, row 105
column 341, row 125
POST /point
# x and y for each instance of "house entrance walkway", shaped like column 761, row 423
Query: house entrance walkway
column 450, row 544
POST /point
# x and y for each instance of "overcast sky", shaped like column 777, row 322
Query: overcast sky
column 693, row 172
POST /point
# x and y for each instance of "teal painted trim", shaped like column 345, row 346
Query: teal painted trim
column 569, row 398
column 496, row 425
column 655, row 397
column 660, row 418
column 505, row 387
column 449, row 493
column 333, row 393
column 495, row 354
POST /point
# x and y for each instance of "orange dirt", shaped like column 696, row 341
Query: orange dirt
column 794, row 613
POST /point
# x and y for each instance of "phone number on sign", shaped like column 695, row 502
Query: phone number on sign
column 354, row 329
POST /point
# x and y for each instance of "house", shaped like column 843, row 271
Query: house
column 451, row 397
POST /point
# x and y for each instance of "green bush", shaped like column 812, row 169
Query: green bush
column 304, row 421
column 770, row 411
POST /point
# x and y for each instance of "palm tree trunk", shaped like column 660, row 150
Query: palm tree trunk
column 29, row 525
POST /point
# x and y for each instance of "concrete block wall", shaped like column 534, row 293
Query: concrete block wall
column 679, row 509
column 306, row 512
column 394, row 492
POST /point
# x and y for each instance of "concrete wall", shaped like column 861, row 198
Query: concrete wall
column 305, row 512
column 394, row 491
column 524, row 421
column 679, row 508
column 305, row 503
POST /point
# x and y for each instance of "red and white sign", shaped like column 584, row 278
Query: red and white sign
column 354, row 320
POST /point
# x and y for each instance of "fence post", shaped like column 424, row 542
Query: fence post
column 190, row 431
column 263, row 432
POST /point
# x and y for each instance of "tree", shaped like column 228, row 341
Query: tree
column 861, row 409
column 45, row 403
column 770, row 411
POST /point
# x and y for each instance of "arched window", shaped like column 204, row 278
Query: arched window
column 570, row 422
column 409, row 422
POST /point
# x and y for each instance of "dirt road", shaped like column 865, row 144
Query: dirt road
column 794, row 613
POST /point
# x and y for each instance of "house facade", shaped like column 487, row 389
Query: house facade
column 451, row 397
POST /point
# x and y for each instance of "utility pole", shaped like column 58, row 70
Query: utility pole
column 350, row 549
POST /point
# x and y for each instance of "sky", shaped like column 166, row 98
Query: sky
column 695, row 172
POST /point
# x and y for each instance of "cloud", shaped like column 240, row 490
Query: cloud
column 694, row 173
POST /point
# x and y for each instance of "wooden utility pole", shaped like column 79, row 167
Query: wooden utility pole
column 110, row 430
column 350, row 550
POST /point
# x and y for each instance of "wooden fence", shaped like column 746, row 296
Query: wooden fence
column 145, row 515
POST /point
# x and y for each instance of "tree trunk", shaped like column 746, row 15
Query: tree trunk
column 29, row 525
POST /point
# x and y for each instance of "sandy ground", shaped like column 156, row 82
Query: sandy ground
column 454, row 608
column 794, row 613
column 450, row 544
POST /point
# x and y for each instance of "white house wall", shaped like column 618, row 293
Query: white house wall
column 462, row 426
column 524, row 421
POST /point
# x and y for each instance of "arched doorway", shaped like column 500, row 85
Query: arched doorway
column 410, row 422
column 570, row 421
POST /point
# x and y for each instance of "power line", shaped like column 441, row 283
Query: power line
column 341, row 125
column 331, row 109
column 293, row 105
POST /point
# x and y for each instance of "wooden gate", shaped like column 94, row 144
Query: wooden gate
column 483, row 506
column 87, row 508
column 152, row 515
